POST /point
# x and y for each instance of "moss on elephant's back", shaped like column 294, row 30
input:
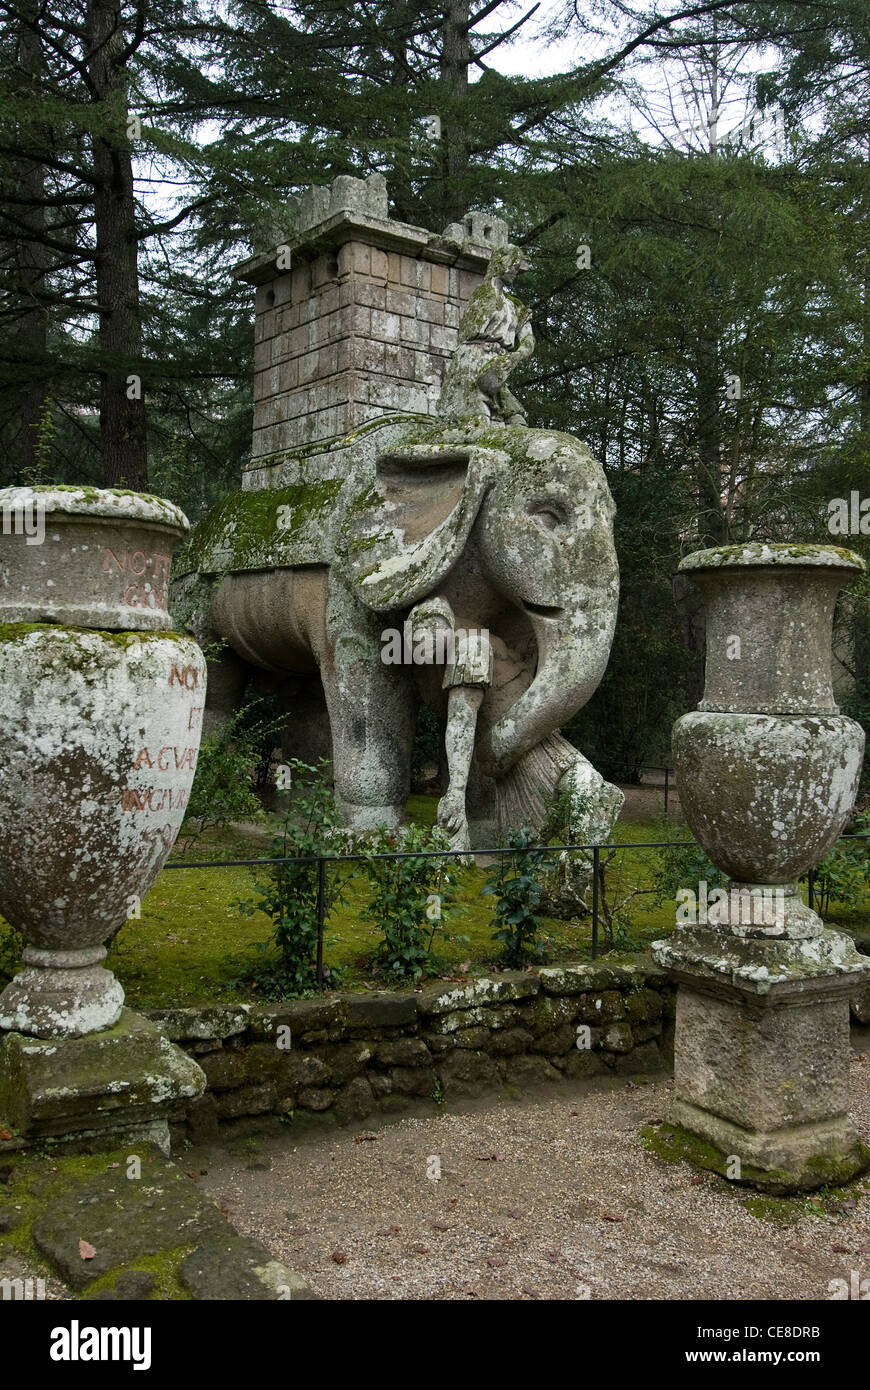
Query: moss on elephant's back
column 263, row 529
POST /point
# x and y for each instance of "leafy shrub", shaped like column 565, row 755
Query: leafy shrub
column 515, row 882
column 410, row 899
column 223, row 787
column 287, row 893
column 679, row 866
column 843, row 876
column 568, row 875
column 11, row 947
column 852, row 631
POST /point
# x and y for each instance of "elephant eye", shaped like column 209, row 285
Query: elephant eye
column 547, row 514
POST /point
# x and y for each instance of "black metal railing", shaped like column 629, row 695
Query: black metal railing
column 323, row 859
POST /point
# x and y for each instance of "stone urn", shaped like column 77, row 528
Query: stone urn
column 768, row 767
column 100, row 720
column 768, row 770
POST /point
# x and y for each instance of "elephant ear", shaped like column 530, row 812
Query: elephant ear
column 405, row 526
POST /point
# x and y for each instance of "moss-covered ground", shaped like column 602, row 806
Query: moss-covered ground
column 32, row 1182
column 674, row 1145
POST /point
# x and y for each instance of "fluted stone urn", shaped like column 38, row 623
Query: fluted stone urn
column 100, row 720
column 768, row 770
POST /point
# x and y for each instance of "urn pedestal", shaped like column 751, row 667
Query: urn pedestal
column 100, row 720
column 768, row 770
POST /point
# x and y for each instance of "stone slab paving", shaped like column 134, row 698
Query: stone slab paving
column 129, row 1226
column 553, row 1197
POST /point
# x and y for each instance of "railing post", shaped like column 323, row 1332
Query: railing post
column 595, row 858
column 321, row 912
column 667, row 775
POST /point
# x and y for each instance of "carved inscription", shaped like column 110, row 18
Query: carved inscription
column 154, row 799
column 163, row 759
column 168, row 758
column 149, row 576
column 188, row 676
column 137, row 563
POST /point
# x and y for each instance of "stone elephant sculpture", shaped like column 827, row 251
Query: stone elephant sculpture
column 509, row 537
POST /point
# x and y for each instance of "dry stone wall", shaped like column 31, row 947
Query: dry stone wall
column 354, row 1055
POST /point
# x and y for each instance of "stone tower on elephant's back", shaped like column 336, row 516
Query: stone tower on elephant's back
column 356, row 319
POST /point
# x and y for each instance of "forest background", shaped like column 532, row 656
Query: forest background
column 690, row 182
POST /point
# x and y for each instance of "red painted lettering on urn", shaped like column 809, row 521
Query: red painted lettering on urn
column 165, row 758
column 188, row 676
column 145, row 596
column 154, row 799
column 137, row 563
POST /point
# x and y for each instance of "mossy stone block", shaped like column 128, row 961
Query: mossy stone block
column 123, row 1218
column 235, row 1268
column 123, row 1079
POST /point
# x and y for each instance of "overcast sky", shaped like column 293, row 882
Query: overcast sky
column 529, row 54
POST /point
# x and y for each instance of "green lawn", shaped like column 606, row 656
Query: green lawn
column 187, row 945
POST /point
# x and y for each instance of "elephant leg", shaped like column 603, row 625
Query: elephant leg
column 227, row 679
column 372, row 720
column 372, row 710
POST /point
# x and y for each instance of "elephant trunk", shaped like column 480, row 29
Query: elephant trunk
column 570, row 666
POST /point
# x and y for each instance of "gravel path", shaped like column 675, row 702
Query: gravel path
column 552, row 1197
column 14, row 1266
column 645, row 801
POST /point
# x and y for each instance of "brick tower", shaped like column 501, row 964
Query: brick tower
column 356, row 317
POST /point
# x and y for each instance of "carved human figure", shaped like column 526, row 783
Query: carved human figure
column 495, row 336
column 467, row 657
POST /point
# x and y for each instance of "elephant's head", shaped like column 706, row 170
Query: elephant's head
column 546, row 538
column 537, row 507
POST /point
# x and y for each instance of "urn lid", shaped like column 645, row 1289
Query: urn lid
column 87, row 557
column 768, row 554
column 108, row 504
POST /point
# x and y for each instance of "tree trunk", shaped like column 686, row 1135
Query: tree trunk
column 454, row 65
column 711, row 515
column 31, row 258
column 860, row 624
column 122, row 404
column 399, row 177
column 863, row 385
